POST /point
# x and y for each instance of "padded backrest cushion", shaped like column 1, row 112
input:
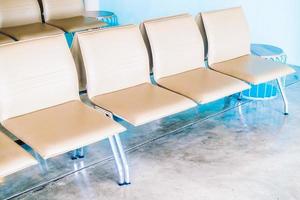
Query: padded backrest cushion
column 60, row 9
column 114, row 59
column 145, row 37
column 19, row 12
column 36, row 74
column 227, row 33
column 176, row 45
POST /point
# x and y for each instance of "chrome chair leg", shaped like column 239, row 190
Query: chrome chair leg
column 118, row 161
column 77, row 153
column 119, row 155
column 285, row 100
column 74, row 155
column 123, row 159
column 80, row 153
column 43, row 165
column 240, row 96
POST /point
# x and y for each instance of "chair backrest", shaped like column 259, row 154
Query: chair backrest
column 145, row 37
column 36, row 74
column 114, row 59
column 61, row 9
column 176, row 45
column 19, row 12
column 227, row 33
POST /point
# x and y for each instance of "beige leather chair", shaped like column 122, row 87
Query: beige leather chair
column 12, row 157
column 68, row 15
column 22, row 20
column 40, row 104
column 178, row 59
column 5, row 39
column 229, row 50
column 117, row 69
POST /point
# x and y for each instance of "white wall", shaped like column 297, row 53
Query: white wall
column 274, row 22
column 92, row 5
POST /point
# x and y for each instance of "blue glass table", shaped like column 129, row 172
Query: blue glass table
column 268, row 90
column 106, row 16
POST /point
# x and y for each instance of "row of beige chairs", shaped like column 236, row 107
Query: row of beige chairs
column 40, row 104
column 22, row 19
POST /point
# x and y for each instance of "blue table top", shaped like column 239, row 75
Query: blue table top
column 265, row 50
column 101, row 13
column 104, row 13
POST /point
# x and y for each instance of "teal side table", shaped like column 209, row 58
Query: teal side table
column 268, row 90
column 106, row 16
column 109, row 18
column 269, row 52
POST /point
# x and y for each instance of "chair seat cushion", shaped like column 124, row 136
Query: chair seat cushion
column 203, row 85
column 12, row 157
column 5, row 39
column 253, row 69
column 75, row 24
column 143, row 103
column 31, row 31
column 62, row 128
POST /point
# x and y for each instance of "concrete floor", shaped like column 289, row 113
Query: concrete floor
column 225, row 150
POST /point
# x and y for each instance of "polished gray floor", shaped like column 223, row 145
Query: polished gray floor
column 223, row 150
